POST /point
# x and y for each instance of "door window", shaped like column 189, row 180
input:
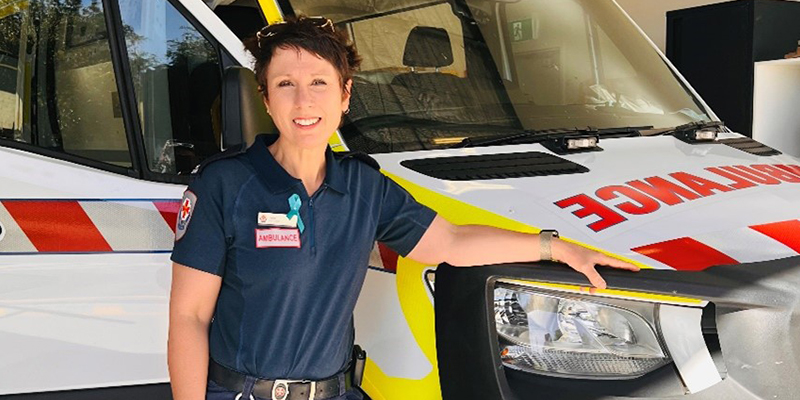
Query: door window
column 176, row 77
column 57, row 85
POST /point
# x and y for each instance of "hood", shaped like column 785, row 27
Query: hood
column 657, row 201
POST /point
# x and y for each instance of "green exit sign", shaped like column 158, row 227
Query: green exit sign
column 521, row 30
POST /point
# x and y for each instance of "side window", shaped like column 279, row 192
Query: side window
column 177, row 76
column 57, row 85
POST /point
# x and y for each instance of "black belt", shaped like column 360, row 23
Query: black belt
column 279, row 389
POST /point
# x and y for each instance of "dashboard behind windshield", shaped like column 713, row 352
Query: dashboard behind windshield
column 436, row 72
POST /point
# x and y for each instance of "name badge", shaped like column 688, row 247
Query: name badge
column 277, row 237
column 270, row 219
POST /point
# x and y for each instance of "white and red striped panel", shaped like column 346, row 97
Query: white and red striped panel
column 750, row 244
column 87, row 226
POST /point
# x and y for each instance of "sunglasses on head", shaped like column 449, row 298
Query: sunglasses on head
column 278, row 27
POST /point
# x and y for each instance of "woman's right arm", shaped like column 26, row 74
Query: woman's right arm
column 191, row 306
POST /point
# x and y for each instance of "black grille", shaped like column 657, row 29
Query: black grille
column 750, row 146
column 494, row 166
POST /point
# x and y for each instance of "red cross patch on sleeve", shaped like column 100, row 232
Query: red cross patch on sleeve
column 185, row 213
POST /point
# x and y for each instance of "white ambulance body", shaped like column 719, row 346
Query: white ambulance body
column 526, row 115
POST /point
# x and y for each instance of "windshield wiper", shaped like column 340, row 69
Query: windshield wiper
column 536, row 136
column 405, row 121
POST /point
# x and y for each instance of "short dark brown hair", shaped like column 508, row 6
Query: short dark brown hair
column 303, row 33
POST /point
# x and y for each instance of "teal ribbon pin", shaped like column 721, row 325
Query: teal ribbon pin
column 294, row 207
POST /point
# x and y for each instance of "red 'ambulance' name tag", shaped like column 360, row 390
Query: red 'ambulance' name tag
column 277, row 237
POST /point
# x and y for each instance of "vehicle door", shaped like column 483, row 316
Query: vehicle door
column 105, row 109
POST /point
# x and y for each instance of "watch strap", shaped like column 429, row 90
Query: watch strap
column 545, row 244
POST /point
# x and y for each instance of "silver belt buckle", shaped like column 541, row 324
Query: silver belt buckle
column 280, row 389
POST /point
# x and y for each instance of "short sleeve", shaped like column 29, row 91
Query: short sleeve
column 200, row 240
column 402, row 220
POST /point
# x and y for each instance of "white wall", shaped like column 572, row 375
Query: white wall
column 651, row 15
column 776, row 121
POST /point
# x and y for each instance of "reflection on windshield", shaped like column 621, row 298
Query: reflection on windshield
column 532, row 64
column 583, row 57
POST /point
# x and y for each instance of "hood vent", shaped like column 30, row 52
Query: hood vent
column 751, row 146
column 494, row 166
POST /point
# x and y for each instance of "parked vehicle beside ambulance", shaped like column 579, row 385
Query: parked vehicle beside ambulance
column 527, row 115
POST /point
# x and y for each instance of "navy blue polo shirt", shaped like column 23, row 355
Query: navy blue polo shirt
column 286, row 312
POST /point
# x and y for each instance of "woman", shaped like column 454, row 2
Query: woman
column 273, row 243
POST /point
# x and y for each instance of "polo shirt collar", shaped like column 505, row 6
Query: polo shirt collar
column 275, row 177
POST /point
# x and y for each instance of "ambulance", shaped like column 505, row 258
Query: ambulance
column 520, row 114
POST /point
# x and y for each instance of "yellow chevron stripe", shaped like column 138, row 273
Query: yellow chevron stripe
column 335, row 143
column 419, row 314
column 461, row 213
column 271, row 11
column 417, row 308
column 613, row 293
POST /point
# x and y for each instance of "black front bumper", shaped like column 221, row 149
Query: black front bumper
column 752, row 330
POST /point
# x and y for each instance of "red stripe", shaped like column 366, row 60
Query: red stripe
column 685, row 254
column 786, row 232
column 388, row 256
column 169, row 211
column 56, row 226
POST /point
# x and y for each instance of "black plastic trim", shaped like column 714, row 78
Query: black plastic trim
column 751, row 146
column 160, row 391
column 50, row 78
column 469, row 366
column 286, row 8
column 227, row 60
column 494, row 166
column 124, row 79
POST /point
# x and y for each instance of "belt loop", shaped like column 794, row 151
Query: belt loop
column 247, row 389
column 342, row 383
column 312, row 395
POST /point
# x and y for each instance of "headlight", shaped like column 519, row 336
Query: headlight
column 579, row 337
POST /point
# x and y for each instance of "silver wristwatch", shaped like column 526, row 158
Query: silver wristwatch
column 546, row 236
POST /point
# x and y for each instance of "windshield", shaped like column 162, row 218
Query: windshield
column 436, row 72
